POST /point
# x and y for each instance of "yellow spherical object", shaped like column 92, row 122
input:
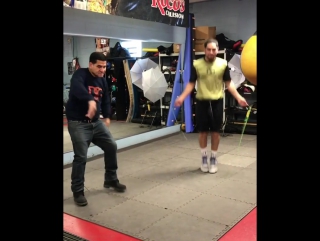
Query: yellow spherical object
column 248, row 60
column 183, row 127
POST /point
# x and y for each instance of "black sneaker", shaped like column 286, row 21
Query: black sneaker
column 80, row 199
column 116, row 185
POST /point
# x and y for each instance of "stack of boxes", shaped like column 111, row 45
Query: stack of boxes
column 201, row 34
column 176, row 48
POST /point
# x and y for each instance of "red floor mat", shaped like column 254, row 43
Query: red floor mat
column 245, row 230
column 92, row 231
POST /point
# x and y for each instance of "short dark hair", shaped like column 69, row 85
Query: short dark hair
column 95, row 56
column 211, row 40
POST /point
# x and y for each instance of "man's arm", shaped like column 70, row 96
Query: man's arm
column 191, row 84
column 106, row 103
column 78, row 88
column 230, row 85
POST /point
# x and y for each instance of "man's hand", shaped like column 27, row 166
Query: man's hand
column 92, row 109
column 242, row 102
column 178, row 102
column 107, row 122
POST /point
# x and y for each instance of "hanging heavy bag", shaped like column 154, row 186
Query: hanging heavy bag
column 115, row 51
column 119, row 51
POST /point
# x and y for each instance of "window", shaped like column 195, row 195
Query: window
column 134, row 47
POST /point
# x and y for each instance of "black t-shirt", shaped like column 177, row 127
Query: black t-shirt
column 83, row 88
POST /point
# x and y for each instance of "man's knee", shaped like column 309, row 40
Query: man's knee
column 110, row 146
column 114, row 146
column 80, row 151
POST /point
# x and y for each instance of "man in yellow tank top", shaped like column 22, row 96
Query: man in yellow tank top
column 210, row 73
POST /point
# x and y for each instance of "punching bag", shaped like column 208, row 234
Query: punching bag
column 248, row 59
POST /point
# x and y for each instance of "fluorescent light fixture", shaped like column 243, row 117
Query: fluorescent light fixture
column 134, row 47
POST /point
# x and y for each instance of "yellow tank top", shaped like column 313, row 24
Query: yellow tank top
column 210, row 78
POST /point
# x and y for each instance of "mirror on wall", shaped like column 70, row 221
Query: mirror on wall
column 136, row 107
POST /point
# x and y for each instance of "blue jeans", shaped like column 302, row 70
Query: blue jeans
column 82, row 134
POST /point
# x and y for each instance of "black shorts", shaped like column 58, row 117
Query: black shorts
column 209, row 119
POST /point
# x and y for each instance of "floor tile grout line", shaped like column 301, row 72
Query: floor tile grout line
column 126, row 175
column 167, row 179
column 110, row 226
column 133, row 197
column 143, row 192
column 206, row 192
column 187, row 189
column 199, row 194
column 167, row 183
column 238, row 180
column 237, row 200
column 125, row 199
column 105, row 210
column 132, row 175
column 153, row 223
column 242, row 155
column 109, row 208
column 176, row 211
column 204, row 219
column 124, row 231
column 138, row 234
column 171, row 211
column 241, row 216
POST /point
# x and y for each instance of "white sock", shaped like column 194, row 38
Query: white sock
column 213, row 153
column 204, row 151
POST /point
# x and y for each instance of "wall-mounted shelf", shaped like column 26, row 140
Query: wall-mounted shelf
column 202, row 53
column 171, row 55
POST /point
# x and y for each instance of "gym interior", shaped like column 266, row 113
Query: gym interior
column 157, row 143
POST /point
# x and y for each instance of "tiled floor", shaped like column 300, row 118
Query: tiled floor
column 168, row 197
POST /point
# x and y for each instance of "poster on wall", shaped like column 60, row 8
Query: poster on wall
column 70, row 68
column 73, row 66
column 102, row 45
column 172, row 12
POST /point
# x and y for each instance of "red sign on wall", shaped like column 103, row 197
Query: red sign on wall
column 172, row 12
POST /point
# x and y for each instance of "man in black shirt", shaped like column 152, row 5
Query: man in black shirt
column 88, row 97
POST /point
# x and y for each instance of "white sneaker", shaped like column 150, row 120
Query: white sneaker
column 213, row 165
column 204, row 164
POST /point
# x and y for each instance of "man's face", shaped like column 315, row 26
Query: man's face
column 99, row 68
column 211, row 51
